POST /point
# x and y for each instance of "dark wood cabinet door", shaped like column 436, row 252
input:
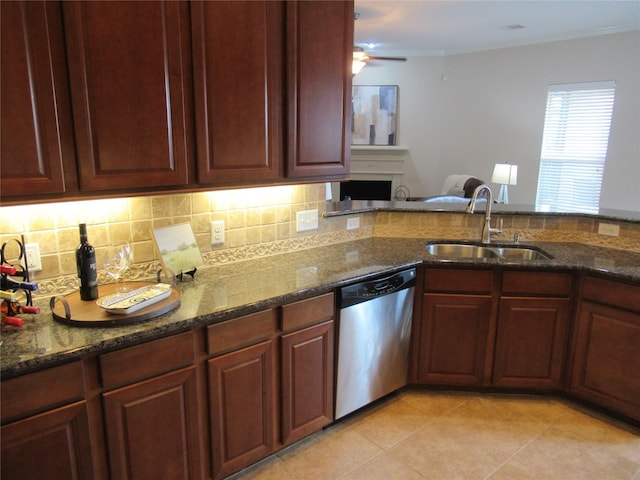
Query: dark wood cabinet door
column 36, row 138
column 454, row 336
column 152, row 428
column 241, row 402
column 307, row 381
column 55, row 445
column 319, row 57
column 606, row 362
column 530, row 342
column 238, row 53
column 129, row 67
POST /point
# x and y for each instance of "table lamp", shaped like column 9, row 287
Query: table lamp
column 504, row 174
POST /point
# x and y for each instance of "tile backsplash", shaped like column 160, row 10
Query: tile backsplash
column 258, row 221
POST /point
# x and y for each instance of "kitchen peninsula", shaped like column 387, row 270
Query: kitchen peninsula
column 178, row 350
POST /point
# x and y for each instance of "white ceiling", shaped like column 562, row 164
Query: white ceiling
column 436, row 27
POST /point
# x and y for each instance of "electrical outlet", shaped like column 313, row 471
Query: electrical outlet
column 32, row 253
column 306, row 220
column 217, row 232
column 353, row 223
column 609, row 229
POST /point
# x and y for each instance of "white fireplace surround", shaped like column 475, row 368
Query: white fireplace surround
column 379, row 163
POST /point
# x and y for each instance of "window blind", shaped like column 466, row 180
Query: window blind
column 574, row 146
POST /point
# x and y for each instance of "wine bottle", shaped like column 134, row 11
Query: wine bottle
column 14, row 308
column 8, row 284
column 7, row 295
column 87, row 267
column 8, row 269
column 15, row 321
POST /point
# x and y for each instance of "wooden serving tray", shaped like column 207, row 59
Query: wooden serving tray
column 71, row 310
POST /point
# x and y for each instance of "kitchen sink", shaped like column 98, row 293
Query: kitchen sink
column 522, row 253
column 460, row 250
column 468, row 250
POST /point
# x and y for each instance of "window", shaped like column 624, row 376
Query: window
column 574, row 146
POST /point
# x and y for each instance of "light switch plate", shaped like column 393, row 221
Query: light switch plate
column 306, row 220
column 353, row 223
column 609, row 229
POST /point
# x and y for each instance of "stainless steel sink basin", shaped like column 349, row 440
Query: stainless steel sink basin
column 460, row 250
column 467, row 250
column 521, row 253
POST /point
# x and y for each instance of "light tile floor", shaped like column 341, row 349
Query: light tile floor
column 420, row 435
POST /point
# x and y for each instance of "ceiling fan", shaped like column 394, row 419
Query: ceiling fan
column 361, row 58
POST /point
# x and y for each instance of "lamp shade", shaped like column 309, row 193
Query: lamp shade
column 505, row 174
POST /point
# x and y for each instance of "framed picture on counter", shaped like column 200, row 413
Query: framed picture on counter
column 177, row 248
column 374, row 114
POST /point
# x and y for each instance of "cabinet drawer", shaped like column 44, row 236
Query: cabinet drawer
column 307, row 312
column 37, row 391
column 146, row 360
column 458, row 280
column 613, row 293
column 537, row 283
column 241, row 331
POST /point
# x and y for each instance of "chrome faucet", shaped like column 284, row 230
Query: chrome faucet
column 487, row 230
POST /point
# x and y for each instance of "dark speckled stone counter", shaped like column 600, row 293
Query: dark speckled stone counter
column 222, row 292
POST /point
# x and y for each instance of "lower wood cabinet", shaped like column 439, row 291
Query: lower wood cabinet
column 493, row 328
column 606, row 361
column 454, row 336
column 270, row 381
column 531, row 342
column 54, row 445
column 152, row 428
column 150, row 403
column 307, row 381
column 241, row 404
column 46, row 431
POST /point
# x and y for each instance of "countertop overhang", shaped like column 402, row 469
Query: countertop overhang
column 222, row 292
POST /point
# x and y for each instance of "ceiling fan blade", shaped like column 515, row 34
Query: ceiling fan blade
column 399, row 59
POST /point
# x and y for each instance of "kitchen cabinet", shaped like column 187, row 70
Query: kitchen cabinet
column 270, row 381
column 151, row 417
column 307, row 366
column 129, row 97
column 533, row 324
column 37, row 138
column 242, row 391
column 130, row 78
column 456, row 327
column 319, row 57
column 494, row 328
column 606, row 358
column 45, row 417
column 238, row 51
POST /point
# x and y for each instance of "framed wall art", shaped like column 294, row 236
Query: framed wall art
column 374, row 114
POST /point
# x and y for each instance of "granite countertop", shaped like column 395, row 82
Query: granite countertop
column 348, row 207
column 222, row 292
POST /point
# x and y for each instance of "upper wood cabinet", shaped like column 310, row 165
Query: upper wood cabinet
column 36, row 136
column 319, row 56
column 130, row 77
column 237, row 59
column 145, row 96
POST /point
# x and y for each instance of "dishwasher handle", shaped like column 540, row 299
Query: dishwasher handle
column 361, row 292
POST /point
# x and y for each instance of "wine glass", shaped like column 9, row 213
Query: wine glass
column 117, row 262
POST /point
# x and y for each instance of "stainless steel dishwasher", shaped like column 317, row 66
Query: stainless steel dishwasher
column 374, row 336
